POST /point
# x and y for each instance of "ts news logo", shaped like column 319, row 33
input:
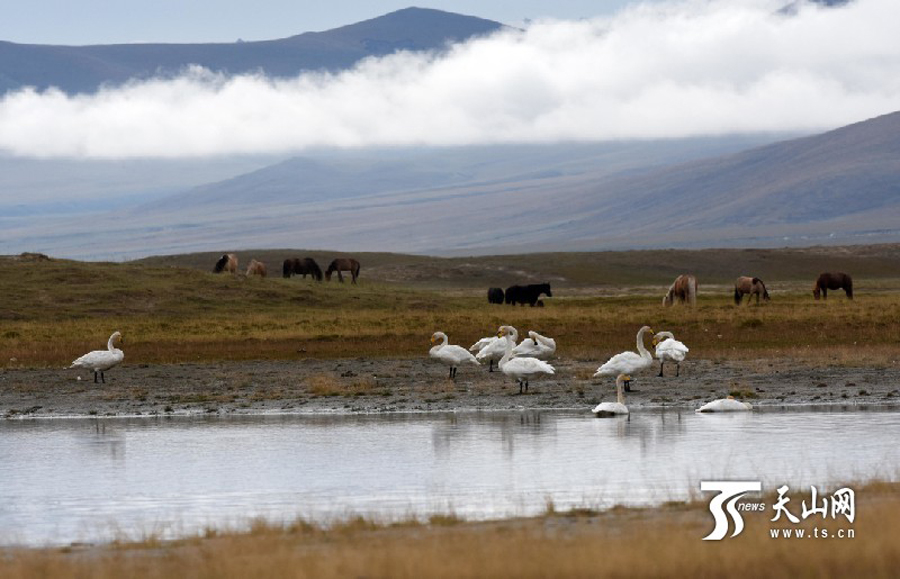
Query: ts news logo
column 732, row 492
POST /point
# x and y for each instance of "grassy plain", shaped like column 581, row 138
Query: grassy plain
column 171, row 310
column 623, row 542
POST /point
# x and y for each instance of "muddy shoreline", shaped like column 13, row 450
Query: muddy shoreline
column 353, row 385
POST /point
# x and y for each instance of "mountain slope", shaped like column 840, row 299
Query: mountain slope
column 83, row 69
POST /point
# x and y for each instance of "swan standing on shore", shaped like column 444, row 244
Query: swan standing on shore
column 668, row 349
column 494, row 350
column 725, row 405
column 617, row 408
column 536, row 346
column 101, row 360
column 628, row 362
column 448, row 354
column 522, row 369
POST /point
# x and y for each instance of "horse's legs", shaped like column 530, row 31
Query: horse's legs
column 824, row 293
column 353, row 274
column 340, row 277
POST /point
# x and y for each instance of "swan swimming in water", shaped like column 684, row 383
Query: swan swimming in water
column 536, row 346
column 725, row 405
column 668, row 349
column 628, row 362
column 617, row 408
column 522, row 369
column 448, row 354
column 101, row 360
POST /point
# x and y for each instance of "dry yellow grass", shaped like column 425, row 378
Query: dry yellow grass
column 659, row 542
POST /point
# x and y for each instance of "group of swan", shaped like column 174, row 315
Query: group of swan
column 101, row 360
column 493, row 348
column 522, row 362
column 668, row 349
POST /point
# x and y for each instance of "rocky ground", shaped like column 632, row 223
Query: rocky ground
column 411, row 385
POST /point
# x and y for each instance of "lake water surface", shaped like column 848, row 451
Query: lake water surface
column 72, row 480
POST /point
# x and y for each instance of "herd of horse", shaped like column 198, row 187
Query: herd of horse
column 520, row 294
column 228, row 263
column 683, row 290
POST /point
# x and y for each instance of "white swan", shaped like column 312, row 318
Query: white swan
column 617, row 408
column 628, row 362
column 450, row 355
column 668, row 349
column 536, row 346
column 493, row 351
column 101, row 360
column 480, row 344
column 522, row 369
column 725, row 405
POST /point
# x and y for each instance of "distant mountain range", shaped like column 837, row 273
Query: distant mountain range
column 839, row 187
column 83, row 69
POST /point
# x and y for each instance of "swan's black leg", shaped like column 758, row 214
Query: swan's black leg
column 520, row 386
column 661, row 368
column 491, row 367
column 526, row 385
column 677, row 369
column 95, row 377
column 627, row 385
column 102, row 377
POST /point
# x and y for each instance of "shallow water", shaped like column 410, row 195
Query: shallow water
column 73, row 480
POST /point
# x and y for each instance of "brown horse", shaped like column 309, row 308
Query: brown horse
column 228, row 262
column 749, row 286
column 304, row 266
column 683, row 289
column 832, row 281
column 256, row 268
column 343, row 264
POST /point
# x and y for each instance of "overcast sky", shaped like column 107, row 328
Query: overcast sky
column 671, row 69
column 116, row 21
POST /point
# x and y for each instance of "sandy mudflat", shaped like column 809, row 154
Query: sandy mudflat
column 408, row 385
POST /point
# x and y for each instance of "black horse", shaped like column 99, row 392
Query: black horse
column 307, row 265
column 527, row 294
column 495, row 295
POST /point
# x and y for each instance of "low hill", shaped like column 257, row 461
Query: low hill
column 584, row 269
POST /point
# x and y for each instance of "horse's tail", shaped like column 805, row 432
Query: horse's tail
column 737, row 295
column 316, row 270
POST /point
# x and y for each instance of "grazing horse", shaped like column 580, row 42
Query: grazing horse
column 683, row 289
column 256, row 268
column 296, row 266
column 832, row 281
column 343, row 264
column 527, row 294
column 749, row 286
column 228, row 262
column 495, row 295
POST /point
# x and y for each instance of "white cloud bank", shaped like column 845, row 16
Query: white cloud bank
column 663, row 70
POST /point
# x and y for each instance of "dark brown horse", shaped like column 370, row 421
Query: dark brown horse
column 683, row 289
column 228, row 262
column 749, row 286
column 343, row 264
column 296, row 266
column 833, row 281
